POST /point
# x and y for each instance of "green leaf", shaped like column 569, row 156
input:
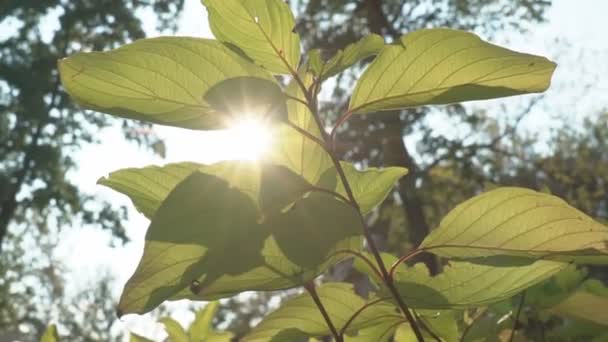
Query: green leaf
column 212, row 236
column 174, row 330
column 161, row 80
column 369, row 187
column 50, row 334
column 315, row 61
column 263, row 29
column 465, row 284
column 248, row 96
column 440, row 66
column 297, row 152
column 201, row 327
column 300, row 317
column 138, row 338
column 149, row 186
column 519, row 222
column 589, row 304
column 366, row 47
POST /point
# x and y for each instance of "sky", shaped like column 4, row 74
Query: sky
column 574, row 37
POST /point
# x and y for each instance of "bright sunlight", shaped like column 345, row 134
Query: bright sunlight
column 248, row 139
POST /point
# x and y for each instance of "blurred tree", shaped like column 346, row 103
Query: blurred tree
column 40, row 129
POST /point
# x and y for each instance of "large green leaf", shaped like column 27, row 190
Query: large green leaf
column 439, row 66
column 149, row 186
column 295, row 151
column 465, row 284
column 217, row 233
column 519, row 222
column 163, row 80
column 369, row 187
column 368, row 46
column 300, row 317
column 263, row 29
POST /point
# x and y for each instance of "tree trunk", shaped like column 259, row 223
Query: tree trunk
column 396, row 154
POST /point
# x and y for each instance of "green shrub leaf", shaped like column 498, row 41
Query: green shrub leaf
column 174, row 330
column 300, row 317
column 589, row 304
column 519, row 222
column 465, row 284
column 50, row 334
column 149, row 186
column 370, row 187
column 163, row 80
column 366, row 47
column 440, row 66
column 263, row 29
column 214, row 236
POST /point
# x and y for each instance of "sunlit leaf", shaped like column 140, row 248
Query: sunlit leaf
column 202, row 324
column 297, row 152
column 465, row 284
column 148, row 187
column 589, row 304
column 370, row 187
column 50, row 334
column 212, row 237
column 519, row 222
column 138, row 338
column 161, row 80
column 368, row 46
column 175, row 331
column 439, row 66
column 300, row 317
column 263, row 29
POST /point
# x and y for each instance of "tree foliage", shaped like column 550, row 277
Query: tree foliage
column 40, row 130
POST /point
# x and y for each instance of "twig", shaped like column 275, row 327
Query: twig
column 310, row 287
column 516, row 318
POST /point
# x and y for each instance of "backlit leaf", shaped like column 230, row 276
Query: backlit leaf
column 161, row 80
column 212, row 237
column 138, row 338
column 368, row 46
column 174, row 330
column 263, row 29
column 589, row 304
column 465, row 284
column 50, row 334
column 519, row 222
column 200, row 328
column 370, row 187
column 440, row 66
column 300, row 317
column 149, row 186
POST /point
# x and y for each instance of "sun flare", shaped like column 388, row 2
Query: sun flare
column 248, row 139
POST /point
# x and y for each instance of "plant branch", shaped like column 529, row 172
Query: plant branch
column 307, row 135
column 516, row 318
column 297, row 99
column 334, row 130
column 310, row 287
column 357, row 313
column 402, row 260
column 330, row 192
column 386, row 278
column 362, row 257
column 426, row 327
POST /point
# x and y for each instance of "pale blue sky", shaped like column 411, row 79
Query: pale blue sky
column 575, row 37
